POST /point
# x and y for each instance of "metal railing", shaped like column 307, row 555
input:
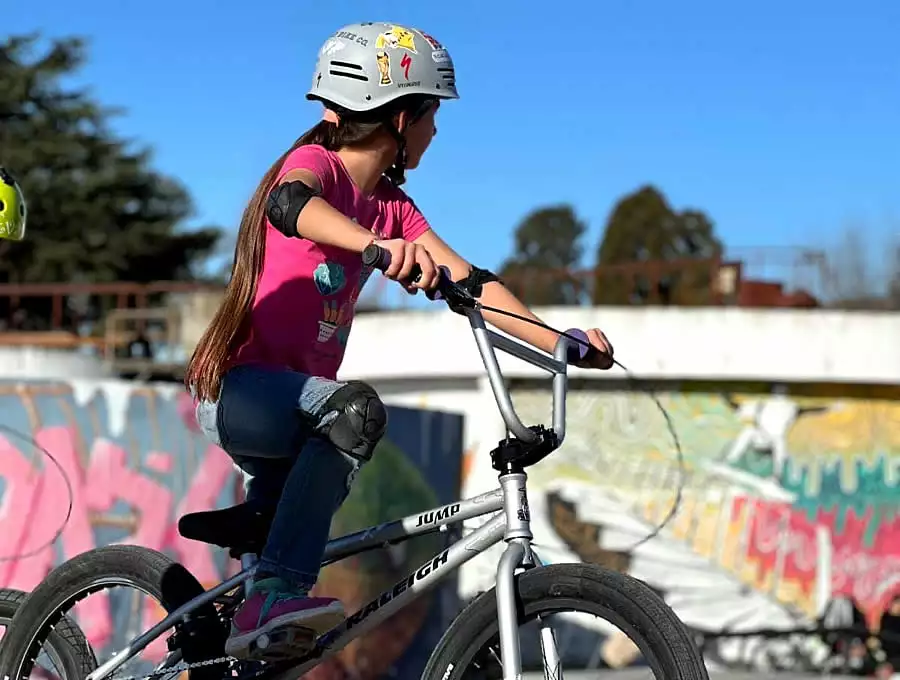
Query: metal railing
column 77, row 313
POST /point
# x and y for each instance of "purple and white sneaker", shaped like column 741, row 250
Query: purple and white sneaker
column 276, row 621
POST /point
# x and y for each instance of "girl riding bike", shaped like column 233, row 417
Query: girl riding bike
column 264, row 372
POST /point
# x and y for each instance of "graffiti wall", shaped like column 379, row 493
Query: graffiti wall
column 790, row 499
column 135, row 462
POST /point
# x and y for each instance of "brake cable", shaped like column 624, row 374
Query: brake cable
column 632, row 380
column 457, row 298
column 37, row 497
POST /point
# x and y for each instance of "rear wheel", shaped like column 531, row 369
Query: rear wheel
column 140, row 569
column 68, row 655
column 470, row 648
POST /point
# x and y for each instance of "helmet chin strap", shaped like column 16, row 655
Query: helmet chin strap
column 397, row 172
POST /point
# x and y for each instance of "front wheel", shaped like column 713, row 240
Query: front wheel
column 470, row 648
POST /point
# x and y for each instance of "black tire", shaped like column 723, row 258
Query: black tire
column 141, row 568
column 622, row 600
column 67, row 643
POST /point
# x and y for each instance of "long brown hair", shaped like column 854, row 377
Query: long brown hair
column 230, row 324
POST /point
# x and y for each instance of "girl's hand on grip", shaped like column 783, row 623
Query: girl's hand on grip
column 404, row 258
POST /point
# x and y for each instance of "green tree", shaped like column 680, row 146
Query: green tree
column 644, row 240
column 547, row 252
column 97, row 211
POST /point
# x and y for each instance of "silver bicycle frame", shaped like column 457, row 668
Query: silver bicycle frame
column 513, row 526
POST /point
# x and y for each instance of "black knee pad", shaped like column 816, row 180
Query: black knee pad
column 359, row 422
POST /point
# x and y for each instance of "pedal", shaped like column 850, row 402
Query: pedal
column 283, row 643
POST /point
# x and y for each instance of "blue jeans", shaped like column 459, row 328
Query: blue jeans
column 266, row 420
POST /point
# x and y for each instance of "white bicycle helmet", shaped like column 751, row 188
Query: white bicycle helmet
column 365, row 66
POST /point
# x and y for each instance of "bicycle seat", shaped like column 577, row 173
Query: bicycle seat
column 242, row 528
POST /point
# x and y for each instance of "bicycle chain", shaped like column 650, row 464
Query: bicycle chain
column 177, row 669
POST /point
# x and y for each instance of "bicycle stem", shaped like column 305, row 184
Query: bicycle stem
column 487, row 341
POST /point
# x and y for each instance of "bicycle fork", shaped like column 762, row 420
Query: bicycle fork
column 519, row 553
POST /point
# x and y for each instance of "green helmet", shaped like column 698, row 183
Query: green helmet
column 13, row 211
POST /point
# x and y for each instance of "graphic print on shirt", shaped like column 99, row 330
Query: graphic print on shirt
column 329, row 278
column 334, row 316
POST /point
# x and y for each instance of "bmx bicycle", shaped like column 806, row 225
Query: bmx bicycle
column 527, row 591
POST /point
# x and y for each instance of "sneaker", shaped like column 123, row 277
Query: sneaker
column 288, row 620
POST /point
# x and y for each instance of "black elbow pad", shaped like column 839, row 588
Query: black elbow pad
column 476, row 279
column 285, row 203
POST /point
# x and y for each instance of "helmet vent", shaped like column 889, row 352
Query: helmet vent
column 342, row 74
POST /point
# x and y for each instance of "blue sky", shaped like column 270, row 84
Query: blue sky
column 780, row 119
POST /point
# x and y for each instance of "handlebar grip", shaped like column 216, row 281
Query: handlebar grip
column 578, row 352
column 377, row 257
column 380, row 258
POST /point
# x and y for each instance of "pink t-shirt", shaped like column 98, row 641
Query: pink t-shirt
column 307, row 293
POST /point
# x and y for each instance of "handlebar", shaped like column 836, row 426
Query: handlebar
column 455, row 296
column 462, row 302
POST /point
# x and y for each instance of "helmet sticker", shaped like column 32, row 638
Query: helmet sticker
column 397, row 37
column 405, row 63
column 383, row 59
column 332, row 46
column 435, row 44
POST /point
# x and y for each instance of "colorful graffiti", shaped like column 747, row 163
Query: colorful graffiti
column 136, row 462
column 132, row 474
column 794, row 493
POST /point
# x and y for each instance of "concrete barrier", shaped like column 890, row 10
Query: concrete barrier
column 788, row 422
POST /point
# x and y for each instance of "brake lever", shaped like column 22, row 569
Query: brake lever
column 457, row 298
